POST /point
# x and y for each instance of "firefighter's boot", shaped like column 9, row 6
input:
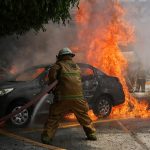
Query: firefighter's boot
column 91, row 137
column 90, row 132
column 45, row 139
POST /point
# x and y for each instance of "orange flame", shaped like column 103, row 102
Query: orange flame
column 101, row 30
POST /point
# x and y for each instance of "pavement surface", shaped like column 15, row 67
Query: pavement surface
column 113, row 134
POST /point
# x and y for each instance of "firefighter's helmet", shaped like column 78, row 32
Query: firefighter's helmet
column 66, row 51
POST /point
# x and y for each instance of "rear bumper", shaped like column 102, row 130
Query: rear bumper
column 118, row 97
column 118, row 101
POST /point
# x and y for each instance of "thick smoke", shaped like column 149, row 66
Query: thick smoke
column 33, row 49
column 138, row 13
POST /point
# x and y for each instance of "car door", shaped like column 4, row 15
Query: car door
column 89, row 81
column 31, row 81
column 48, row 98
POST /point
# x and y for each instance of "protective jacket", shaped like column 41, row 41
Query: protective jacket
column 69, row 80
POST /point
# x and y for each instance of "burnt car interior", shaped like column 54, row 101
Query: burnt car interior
column 89, row 81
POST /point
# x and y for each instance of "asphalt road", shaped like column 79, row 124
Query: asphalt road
column 120, row 134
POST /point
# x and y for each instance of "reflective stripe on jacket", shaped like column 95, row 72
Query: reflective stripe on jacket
column 69, row 85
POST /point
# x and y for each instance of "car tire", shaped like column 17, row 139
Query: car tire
column 103, row 107
column 23, row 118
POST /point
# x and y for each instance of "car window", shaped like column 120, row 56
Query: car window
column 87, row 72
column 30, row 74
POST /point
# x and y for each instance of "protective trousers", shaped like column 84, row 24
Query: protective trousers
column 140, row 84
column 59, row 109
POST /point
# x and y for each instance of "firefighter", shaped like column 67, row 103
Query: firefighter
column 141, row 79
column 68, row 97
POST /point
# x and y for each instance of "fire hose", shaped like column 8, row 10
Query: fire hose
column 29, row 104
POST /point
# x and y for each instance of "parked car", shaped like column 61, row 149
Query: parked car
column 100, row 90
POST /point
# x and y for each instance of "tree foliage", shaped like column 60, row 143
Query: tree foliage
column 20, row 16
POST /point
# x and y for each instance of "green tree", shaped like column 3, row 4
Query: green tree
column 20, row 16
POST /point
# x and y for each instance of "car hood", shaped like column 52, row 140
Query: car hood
column 11, row 84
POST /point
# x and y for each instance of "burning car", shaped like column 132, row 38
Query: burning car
column 100, row 90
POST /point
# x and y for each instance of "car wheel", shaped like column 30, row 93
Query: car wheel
column 103, row 107
column 22, row 118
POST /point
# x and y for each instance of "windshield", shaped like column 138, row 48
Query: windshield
column 86, row 71
column 29, row 75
